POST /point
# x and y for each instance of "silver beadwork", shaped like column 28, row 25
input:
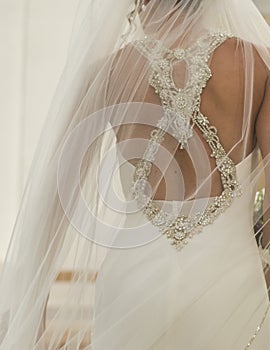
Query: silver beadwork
column 181, row 107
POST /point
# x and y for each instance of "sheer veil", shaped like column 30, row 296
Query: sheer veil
column 82, row 198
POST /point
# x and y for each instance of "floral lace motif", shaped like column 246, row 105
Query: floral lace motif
column 181, row 112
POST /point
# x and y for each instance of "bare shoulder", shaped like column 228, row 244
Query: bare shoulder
column 235, row 62
column 237, row 54
column 231, row 46
column 126, row 54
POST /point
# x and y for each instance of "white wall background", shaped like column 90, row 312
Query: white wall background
column 34, row 37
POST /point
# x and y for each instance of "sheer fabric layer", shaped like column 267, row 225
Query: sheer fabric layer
column 78, row 203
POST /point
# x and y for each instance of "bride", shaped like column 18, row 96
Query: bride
column 145, row 177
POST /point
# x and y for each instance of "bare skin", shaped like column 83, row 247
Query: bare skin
column 222, row 103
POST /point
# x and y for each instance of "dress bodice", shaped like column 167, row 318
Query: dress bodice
column 182, row 112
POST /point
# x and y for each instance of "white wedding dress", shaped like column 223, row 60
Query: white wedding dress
column 198, row 299
column 203, row 297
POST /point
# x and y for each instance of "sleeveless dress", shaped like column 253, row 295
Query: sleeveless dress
column 200, row 285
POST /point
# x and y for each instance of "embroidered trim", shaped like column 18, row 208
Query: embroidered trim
column 181, row 107
column 180, row 104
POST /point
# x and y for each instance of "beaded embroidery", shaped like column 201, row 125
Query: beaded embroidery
column 181, row 112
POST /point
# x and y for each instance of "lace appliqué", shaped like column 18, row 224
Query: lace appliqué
column 179, row 104
column 181, row 113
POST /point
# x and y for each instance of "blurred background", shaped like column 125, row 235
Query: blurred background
column 34, row 36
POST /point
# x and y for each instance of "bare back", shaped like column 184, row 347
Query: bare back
column 222, row 102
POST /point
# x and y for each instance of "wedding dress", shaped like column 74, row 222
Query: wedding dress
column 209, row 300
column 150, row 269
column 202, row 296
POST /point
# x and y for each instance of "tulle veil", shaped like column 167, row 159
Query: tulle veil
column 74, row 202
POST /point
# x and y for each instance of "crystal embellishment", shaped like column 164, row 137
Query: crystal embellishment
column 181, row 112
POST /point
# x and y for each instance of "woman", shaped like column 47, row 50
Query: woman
column 150, row 172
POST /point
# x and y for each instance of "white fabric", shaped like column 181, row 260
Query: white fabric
column 109, row 99
column 199, row 299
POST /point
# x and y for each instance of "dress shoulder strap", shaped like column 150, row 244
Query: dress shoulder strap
column 181, row 112
column 180, row 105
column 153, row 48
